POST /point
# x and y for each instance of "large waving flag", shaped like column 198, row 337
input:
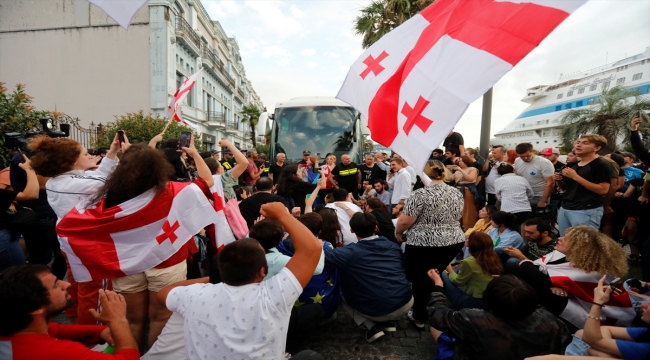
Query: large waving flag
column 220, row 233
column 580, row 286
column 122, row 11
column 415, row 83
column 180, row 95
column 137, row 235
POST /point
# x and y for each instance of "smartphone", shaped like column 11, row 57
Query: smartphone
column 120, row 136
column 186, row 137
column 560, row 169
column 615, row 283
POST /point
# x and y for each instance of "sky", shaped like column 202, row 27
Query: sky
column 297, row 48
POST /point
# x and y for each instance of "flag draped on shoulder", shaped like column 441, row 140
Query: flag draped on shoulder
column 415, row 83
column 580, row 286
column 134, row 236
column 180, row 95
column 122, row 11
column 220, row 233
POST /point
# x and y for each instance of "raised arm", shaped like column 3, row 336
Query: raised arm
column 30, row 192
column 637, row 144
column 155, row 140
column 308, row 248
column 310, row 202
column 240, row 159
column 201, row 167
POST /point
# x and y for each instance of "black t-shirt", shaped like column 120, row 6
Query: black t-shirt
column 577, row 197
column 275, row 169
column 455, row 140
column 558, row 166
column 265, row 173
column 228, row 164
column 346, row 175
column 368, row 173
column 250, row 207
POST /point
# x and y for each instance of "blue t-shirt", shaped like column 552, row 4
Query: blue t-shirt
column 632, row 350
column 631, row 173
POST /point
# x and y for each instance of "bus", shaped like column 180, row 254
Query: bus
column 319, row 124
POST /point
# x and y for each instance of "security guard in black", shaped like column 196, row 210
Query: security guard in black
column 347, row 175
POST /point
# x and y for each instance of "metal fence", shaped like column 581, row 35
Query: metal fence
column 85, row 136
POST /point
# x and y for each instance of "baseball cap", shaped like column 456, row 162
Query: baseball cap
column 262, row 155
column 214, row 151
column 549, row 151
column 306, row 152
column 227, row 151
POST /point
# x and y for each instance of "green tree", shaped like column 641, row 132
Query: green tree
column 251, row 116
column 382, row 16
column 16, row 115
column 609, row 115
column 141, row 128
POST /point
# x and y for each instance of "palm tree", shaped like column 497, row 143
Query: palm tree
column 382, row 16
column 609, row 115
column 251, row 115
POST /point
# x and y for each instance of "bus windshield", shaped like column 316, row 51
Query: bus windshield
column 319, row 129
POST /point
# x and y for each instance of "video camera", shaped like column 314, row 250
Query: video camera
column 16, row 141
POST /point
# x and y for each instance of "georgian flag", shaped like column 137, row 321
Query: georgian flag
column 122, row 11
column 415, row 83
column 580, row 286
column 180, row 95
column 134, row 236
column 220, row 233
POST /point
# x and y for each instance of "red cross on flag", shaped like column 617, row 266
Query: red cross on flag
column 134, row 236
column 415, row 83
column 180, row 95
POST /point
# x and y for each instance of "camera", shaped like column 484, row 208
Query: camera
column 16, row 141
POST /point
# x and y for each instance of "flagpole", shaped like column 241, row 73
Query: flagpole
column 168, row 122
column 486, row 120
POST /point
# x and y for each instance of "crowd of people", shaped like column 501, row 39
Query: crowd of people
column 516, row 256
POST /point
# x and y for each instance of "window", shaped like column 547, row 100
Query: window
column 545, row 141
column 559, row 96
column 605, row 85
column 558, row 108
column 570, row 93
column 637, row 76
column 579, row 103
column 567, row 106
column 581, row 90
column 554, row 141
column 179, row 81
column 619, row 81
column 177, row 58
column 592, row 87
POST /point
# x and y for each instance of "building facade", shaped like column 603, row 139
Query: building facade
column 71, row 56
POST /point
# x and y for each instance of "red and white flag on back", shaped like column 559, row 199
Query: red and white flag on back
column 134, row 236
column 415, row 83
column 180, row 95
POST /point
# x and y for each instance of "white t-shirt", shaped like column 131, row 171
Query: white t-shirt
column 535, row 171
column 236, row 322
column 489, row 180
column 344, row 220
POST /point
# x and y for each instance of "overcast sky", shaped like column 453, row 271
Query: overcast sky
column 304, row 48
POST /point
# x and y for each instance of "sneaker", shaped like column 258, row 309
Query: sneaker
column 387, row 326
column 417, row 324
column 373, row 334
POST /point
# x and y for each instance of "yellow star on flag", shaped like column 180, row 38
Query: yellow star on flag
column 318, row 299
column 330, row 282
column 298, row 303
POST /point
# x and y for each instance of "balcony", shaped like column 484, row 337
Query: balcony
column 247, row 134
column 210, row 57
column 216, row 119
column 241, row 93
column 230, row 79
column 232, row 127
column 186, row 34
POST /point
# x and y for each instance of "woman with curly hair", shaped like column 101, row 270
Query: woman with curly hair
column 67, row 164
column 465, row 288
column 291, row 186
column 582, row 256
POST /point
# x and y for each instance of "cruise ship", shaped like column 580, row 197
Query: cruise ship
column 539, row 124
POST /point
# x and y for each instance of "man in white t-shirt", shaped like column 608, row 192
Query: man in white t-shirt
column 400, row 182
column 539, row 173
column 245, row 316
column 344, row 208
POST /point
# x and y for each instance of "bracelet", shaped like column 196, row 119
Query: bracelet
column 595, row 318
column 601, row 305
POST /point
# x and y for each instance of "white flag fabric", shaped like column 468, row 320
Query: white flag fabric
column 134, row 236
column 415, row 83
column 122, row 11
column 221, row 232
column 180, row 95
column 580, row 287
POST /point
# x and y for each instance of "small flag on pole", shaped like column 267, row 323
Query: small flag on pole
column 180, row 95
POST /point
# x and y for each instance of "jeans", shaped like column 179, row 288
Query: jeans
column 512, row 267
column 571, row 218
column 458, row 298
column 637, row 301
column 577, row 347
column 10, row 252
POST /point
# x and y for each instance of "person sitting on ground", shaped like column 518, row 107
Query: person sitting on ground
column 513, row 328
column 379, row 189
column 30, row 296
column 375, row 289
column 474, row 273
column 246, row 316
column 484, row 223
column 344, row 210
column 504, row 232
column 514, row 192
column 610, row 341
column 583, row 255
column 386, row 228
column 250, row 207
column 539, row 242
